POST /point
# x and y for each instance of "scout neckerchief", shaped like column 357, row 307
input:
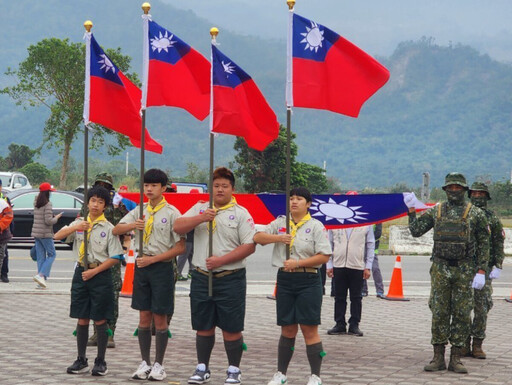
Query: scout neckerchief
column 148, row 229
column 294, row 227
column 231, row 203
column 81, row 253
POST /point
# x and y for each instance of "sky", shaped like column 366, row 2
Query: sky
column 377, row 26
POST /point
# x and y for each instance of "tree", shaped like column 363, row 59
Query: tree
column 19, row 156
column 266, row 170
column 36, row 172
column 53, row 76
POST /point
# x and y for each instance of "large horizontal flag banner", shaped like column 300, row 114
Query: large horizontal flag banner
column 334, row 211
column 111, row 99
column 239, row 108
column 329, row 72
column 177, row 75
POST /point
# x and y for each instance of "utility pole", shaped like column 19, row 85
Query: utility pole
column 325, row 167
column 126, row 162
column 425, row 187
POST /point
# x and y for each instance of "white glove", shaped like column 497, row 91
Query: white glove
column 495, row 273
column 117, row 199
column 410, row 200
column 478, row 281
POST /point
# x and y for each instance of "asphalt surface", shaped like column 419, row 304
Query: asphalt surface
column 36, row 343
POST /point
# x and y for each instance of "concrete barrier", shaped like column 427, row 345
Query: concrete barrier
column 402, row 242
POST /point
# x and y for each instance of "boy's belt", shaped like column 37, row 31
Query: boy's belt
column 90, row 265
column 217, row 274
column 301, row 270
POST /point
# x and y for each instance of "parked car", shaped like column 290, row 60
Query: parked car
column 67, row 202
column 14, row 181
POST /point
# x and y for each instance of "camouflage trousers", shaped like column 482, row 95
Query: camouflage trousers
column 451, row 302
column 483, row 304
column 117, row 285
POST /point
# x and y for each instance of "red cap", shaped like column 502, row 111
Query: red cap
column 46, row 187
column 351, row 192
column 123, row 187
column 194, row 191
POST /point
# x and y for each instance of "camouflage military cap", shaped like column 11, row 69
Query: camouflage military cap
column 105, row 178
column 455, row 178
column 479, row 186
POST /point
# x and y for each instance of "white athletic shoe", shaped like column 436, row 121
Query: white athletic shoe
column 200, row 376
column 234, row 376
column 157, row 373
column 314, row 380
column 278, row 379
column 40, row 280
column 142, row 372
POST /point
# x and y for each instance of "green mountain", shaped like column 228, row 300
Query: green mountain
column 444, row 108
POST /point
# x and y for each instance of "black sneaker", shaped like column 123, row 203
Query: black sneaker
column 4, row 278
column 79, row 366
column 100, row 367
column 355, row 331
column 337, row 329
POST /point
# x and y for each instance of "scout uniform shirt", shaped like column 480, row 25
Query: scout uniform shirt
column 311, row 239
column 102, row 243
column 234, row 227
column 162, row 236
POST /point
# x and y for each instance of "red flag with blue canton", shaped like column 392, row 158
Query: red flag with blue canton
column 178, row 75
column 329, row 72
column 239, row 108
column 113, row 100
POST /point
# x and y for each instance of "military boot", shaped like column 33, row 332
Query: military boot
column 93, row 340
column 437, row 362
column 111, row 343
column 477, row 348
column 456, row 364
column 466, row 349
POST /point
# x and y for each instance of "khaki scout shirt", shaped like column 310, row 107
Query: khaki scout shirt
column 234, row 227
column 102, row 243
column 162, row 237
column 311, row 239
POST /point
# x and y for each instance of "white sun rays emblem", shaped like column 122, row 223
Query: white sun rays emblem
column 340, row 211
column 162, row 42
column 313, row 37
column 107, row 64
column 228, row 68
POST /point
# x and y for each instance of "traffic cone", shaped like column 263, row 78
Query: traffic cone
column 127, row 289
column 273, row 296
column 509, row 299
column 396, row 292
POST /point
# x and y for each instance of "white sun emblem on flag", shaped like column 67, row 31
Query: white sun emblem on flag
column 106, row 63
column 228, row 68
column 340, row 211
column 313, row 37
column 162, row 42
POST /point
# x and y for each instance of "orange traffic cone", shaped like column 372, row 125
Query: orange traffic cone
column 509, row 299
column 273, row 296
column 396, row 292
column 127, row 289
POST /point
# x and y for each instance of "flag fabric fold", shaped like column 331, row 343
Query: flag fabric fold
column 239, row 108
column 175, row 74
column 326, row 71
column 111, row 99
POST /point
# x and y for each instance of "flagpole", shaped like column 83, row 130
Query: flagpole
column 145, row 7
column 213, row 33
column 88, row 26
column 289, row 104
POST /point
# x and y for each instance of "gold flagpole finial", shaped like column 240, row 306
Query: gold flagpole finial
column 146, row 7
column 291, row 4
column 88, row 25
column 214, row 31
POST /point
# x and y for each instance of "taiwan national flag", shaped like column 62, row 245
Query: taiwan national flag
column 328, row 72
column 175, row 75
column 239, row 108
column 111, row 99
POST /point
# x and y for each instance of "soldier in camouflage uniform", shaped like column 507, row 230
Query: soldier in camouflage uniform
column 479, row 194
column 461, row 237
column 114, row 212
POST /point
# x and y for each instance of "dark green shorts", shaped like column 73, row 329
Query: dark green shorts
column 93, row 299
column 298, row 298
column 153, row 288
column 225, row 309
